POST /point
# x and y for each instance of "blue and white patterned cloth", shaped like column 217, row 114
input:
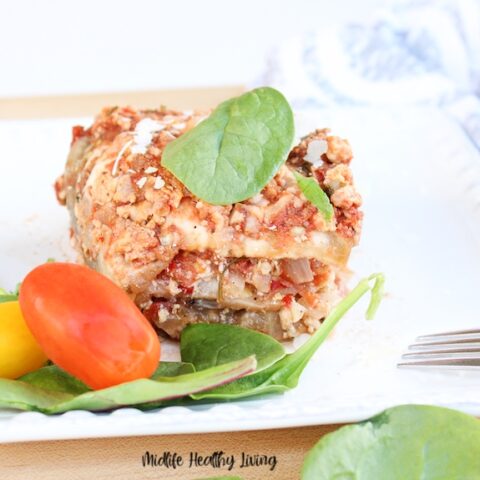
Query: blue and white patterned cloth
column 423, row 52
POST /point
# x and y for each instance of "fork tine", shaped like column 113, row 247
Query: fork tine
column 449, row 337
column 442, row 354
column 449, row 334
column 453, row 363
column 444, row 345
column 445, row 349
column 457, row 349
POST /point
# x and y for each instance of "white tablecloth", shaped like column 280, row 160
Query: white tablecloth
column 424, row 52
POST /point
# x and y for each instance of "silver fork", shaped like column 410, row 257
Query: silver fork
column 460, row 349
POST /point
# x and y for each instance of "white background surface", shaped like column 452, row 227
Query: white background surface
column 65, row 46
column 421, row 188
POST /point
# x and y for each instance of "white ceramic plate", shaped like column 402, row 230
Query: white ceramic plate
column 420, row 178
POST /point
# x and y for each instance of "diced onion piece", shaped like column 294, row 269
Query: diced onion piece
column 298, row 270
column 236, row 283
column 206, row 289
column 261, row 282
column 291, row 314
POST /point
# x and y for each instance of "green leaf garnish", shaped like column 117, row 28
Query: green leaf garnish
column 413, row 442
column 236, row 151
column 377, row 296
column 173, row 369
column 6, row 296
column 54, row 379
column 207, row 345
column 314, row 194
column 47, row 392
column 285, row 373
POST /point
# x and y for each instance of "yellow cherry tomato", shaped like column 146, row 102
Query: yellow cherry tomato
column 19, row 352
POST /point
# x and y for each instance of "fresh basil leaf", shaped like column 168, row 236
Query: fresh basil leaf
column 314, row 194
column 207, row 345
column 48, row 396
column 411, row 442
column 285, row 373
column 235, row 152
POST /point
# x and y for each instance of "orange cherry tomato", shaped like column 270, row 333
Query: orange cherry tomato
column 87, row 325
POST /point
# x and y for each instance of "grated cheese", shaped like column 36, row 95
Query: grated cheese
column 315, row 150
column 141, row 183
column 119, row 157
column 143, row 134
column 159, row 183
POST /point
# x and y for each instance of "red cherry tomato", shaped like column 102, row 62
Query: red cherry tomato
column 87, row 325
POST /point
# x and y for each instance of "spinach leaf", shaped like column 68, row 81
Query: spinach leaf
column 6, row 296
column 172, row 369
column 207, row 345
column 233, row 154
column 48, row 392
column 314, row 194
column 411, row 442
column 53, row 378
column 285, row 373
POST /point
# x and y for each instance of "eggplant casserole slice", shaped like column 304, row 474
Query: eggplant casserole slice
column 272, row 263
